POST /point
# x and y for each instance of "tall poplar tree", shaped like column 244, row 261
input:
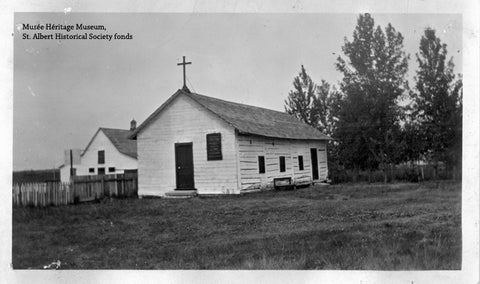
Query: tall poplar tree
column 302, row 101
column 374, row 70
column 329, row 105
column 314, row 104
column 438, row 102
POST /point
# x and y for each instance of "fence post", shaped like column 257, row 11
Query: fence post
column 124, row 192
column 115, row 183
column 120, row 179
column 42, row 195
column 20, row 194
column 74, row 190
column 103, row 184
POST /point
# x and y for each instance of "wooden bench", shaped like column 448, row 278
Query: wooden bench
column 283, row 183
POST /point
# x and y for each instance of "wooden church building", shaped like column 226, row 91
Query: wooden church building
column 210, row 146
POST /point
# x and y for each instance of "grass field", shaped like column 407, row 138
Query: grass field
column 378, row 227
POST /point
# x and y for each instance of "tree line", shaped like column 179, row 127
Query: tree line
column 376, row 120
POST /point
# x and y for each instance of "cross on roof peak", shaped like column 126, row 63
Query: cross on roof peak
column 184, row 73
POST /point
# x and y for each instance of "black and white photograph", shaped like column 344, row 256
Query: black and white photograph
column 252, row 142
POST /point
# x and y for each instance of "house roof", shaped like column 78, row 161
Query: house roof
column 119, row 138
column 248, row 119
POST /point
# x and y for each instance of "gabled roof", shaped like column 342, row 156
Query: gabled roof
column 119, row 138
column 248, row 119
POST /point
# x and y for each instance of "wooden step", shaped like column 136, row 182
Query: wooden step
column 320, row 183
column 247, row 191
column 181, row 194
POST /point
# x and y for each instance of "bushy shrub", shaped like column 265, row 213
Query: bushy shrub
column 404, row 172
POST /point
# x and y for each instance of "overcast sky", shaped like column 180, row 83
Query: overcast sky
column 64, row 91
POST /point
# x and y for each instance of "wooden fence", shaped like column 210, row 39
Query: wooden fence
column 81, row 189
column 93, row 187
column 42, row 194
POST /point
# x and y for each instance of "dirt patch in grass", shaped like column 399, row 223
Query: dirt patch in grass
column 379, row 227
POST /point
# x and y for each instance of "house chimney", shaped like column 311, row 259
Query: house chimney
column 76, row 157
column 133, row 125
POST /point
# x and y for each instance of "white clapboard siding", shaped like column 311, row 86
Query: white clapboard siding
column 113, row 157
column 184, row 120
column 250, row 147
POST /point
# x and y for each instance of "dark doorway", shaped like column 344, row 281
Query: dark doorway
column 184, row 166
column 313, row 154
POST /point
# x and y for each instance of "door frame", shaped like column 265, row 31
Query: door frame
column 193, row 167
column 314, row 165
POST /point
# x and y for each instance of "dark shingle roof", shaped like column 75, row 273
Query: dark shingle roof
column 119, row 138
column 248, row 119
column 259, row 121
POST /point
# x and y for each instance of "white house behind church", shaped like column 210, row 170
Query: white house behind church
column 108, row 152
column 211, row 146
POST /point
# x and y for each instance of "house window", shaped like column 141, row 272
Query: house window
column 214, row 146
column 282, row 164
column 101, row 157
column 101, row 171
column 91, row 170
column 261, row 164
column 300, row 163
column 111, row 169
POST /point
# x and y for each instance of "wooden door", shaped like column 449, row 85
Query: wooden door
column 184, row 166
column 322, row 163
column 314, row 159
